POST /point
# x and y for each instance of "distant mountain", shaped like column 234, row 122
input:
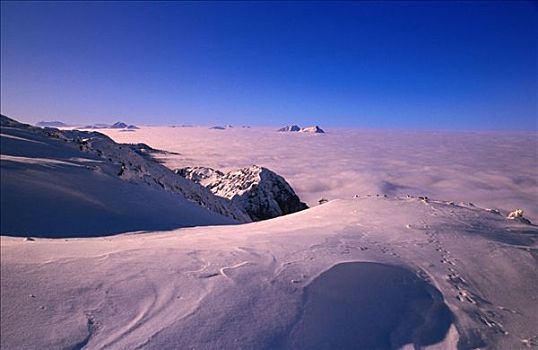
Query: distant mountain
column 260, row 192
column 51, row 124
column 295, row 128
column 289, row 128
column 96, row 126
column 117, row 125
column 313, row 129
column 122, row 125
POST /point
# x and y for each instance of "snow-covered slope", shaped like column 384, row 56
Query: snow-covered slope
column 370, row 272
column 260, row 192
column 72, row 183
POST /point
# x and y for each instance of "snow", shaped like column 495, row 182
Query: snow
column 242, row 286
column 312, row 129
column 413, row 249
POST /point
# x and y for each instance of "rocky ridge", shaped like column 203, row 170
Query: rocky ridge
column 258, row 191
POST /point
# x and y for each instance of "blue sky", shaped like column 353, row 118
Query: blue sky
column 448, row 65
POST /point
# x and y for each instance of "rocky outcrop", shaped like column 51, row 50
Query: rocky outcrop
column 258, row 191
column 202, row 175
column 518, row 215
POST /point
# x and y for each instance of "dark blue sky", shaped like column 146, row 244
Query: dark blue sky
column 443, row 65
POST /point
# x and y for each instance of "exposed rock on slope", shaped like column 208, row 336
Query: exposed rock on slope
column 202, row 175
column 149, row 152
column 261, row 193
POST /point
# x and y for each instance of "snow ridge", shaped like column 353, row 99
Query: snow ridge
column 128, row 164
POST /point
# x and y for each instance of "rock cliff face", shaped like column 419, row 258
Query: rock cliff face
column 261, row 193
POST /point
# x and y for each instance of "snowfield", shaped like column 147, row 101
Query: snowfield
column 380, row 266
column 444, row 275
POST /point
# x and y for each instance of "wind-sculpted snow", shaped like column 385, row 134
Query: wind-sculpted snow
column 364, row 305
column 492, row 169
column 77, row 183
column 261, row 193
column 392, row 271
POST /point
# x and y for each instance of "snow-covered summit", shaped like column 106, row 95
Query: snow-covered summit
column 312, row 129
column 295, row 128
column 260, row 192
